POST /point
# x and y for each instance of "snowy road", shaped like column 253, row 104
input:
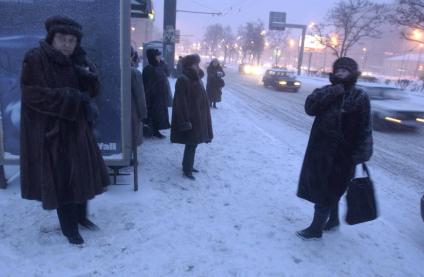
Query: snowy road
column 238, row 218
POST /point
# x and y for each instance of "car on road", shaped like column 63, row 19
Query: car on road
column 392, row 108
column 250, row 69
column 281, row 79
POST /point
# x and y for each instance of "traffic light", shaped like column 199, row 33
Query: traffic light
column 142, row 9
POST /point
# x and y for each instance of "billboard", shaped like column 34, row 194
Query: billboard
column 106, row 28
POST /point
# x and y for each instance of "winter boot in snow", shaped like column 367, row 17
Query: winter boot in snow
column 157, row 134
column 333, row 222
column 314, row 231
column 189, row 175
column 88, row 224
column 195, row 170
column 75, row 239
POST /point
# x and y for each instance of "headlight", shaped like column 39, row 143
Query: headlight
column 392, row 119
column 247, row 69
column 297, row 83
column 282, row 83
column 257, row 70
column 420, row 120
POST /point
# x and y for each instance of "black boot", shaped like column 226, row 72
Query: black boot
column 83, row 220
column 189, row 175
column 68, row 219
column 314, row 231
column 333, row 222
column 157, row 134
column 214, row 105
column 75, row 239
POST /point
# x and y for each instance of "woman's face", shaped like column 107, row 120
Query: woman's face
column 65, row 43
column 215, row 63
column 196, row 67
column 342, row 73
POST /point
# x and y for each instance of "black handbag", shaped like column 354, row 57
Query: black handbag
column 361, row 201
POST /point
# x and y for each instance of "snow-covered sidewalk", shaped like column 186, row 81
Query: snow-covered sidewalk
column 237, row 219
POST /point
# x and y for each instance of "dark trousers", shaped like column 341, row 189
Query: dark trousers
column 69, row 216
column 188, row 160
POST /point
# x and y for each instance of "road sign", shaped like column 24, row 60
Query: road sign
column 177, row 36
column 277, row 21
column 169, row 34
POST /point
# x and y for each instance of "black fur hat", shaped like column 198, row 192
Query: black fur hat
column 189, row 60
column 64, row 25
column 346, row 63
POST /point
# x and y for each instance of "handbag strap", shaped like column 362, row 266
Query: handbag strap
column 365, row 169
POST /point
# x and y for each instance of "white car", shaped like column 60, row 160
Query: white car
column 392, row 108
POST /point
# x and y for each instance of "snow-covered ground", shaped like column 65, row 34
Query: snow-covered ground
column 237, row 219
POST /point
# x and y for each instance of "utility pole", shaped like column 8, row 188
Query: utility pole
column 169, row 24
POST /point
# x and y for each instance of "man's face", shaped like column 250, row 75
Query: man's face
column 157, row 59
column 65, row 44
column 342, row 73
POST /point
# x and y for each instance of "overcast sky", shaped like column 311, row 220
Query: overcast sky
column 238, row 12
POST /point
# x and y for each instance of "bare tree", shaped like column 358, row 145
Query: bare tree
column 410, row 14
column 253, row 40
column 228, row 42
column 278, row 41
column 213, row 37
column 349, row 22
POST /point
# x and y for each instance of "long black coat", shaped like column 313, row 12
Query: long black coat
column 191, row 117
column 156, row 86
column 341, row 137
column 138, row 105
column 215, row 83
column 60, row 160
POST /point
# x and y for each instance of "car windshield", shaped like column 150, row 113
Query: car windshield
column 281, row 73
column 382, row 93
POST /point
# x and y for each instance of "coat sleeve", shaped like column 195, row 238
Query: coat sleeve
column 364, row 148
column 58, row 102
column 180, row 107
column 320, row 100
column 88, row 76
column 137, row 90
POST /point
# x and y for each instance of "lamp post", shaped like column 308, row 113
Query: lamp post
column 364, row 58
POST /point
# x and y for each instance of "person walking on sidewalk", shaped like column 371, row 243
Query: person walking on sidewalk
column 215, row 82
column 340, row 139
column 191, row 117
column 156, row 87
column 61, row 164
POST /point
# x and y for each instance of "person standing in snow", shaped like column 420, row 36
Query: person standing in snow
column 156, row 86
column 215, row 83
column 138, row 100
column 179, row 66
column 60, row 162
column 340, row 139
column 191, row 117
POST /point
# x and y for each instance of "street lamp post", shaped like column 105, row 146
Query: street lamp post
column 364, row 61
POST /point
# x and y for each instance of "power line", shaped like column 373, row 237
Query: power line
column 198, row 12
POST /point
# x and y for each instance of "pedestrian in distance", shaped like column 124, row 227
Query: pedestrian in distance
column 138, row 101
column 215, row 82
column 340, row 139
column 156, row 86
column 61, row 164
column 191, row 118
